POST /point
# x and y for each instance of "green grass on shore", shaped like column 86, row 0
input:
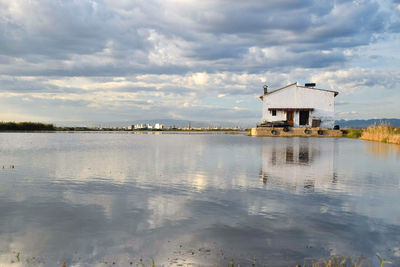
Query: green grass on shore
column 353, row 133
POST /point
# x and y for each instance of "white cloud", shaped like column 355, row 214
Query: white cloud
column 356, row 79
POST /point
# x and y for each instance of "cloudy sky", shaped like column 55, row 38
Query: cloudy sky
column 205, row 60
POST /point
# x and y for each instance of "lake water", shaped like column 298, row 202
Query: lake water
column 100, row 199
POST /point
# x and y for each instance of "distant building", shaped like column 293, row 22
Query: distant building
column 139, row 127
column 158, row 126
column 300, row 106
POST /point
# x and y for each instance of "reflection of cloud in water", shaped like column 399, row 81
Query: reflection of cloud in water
column 77, row 232
column 199, row 181
column 201, row 192
column 89, row 166
column 165, row 208
column 105, row 201
column 24, row 245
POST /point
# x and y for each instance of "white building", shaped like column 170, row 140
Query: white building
column 139, row 126
column 158, row 126
column 300, row 106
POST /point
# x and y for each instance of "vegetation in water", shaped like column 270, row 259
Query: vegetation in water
column 382, row 261
column 341, row 261
column 332, row 261
column 382, row 133
column 26, row 126
column 353, row 133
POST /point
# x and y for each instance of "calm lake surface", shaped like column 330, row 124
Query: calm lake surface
column 94, row 199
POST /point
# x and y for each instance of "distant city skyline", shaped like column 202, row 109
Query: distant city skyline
column 111, row 61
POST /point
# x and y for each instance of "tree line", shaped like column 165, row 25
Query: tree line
column 26, row 126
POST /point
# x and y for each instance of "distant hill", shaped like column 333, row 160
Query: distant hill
column 366, row 123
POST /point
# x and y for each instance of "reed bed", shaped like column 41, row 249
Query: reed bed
column 382, row 133
column 25, row 126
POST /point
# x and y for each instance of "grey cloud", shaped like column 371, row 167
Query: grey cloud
column 59, row 29
column 395, row 27
column 32, row 87
column 132, row 89
column 214, row 30
column 291, row 27
column 341, row 103
column 176, row 90
column 205, row 52
column 215, row 113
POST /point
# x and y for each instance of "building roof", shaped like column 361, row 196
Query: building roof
column 295, row 83
column 292, row 109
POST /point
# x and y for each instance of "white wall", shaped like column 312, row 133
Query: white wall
column 299, row 97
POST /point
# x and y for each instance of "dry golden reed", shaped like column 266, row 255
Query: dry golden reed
column 382, row 133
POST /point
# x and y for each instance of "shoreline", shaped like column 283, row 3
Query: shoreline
column 375, row 133
column 134, row 131
column 294, row 132
column 380, row 134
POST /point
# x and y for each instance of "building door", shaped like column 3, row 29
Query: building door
column 289, row 117
column 304, row 117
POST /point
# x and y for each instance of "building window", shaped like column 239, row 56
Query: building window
column 273, row 112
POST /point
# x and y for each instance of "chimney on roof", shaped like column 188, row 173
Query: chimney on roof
column 265, row 89
column 310, row 84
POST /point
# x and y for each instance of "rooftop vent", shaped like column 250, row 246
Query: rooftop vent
column 310, row 84
column 265, row 89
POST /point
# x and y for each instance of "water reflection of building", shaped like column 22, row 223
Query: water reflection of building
column 299, row 163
